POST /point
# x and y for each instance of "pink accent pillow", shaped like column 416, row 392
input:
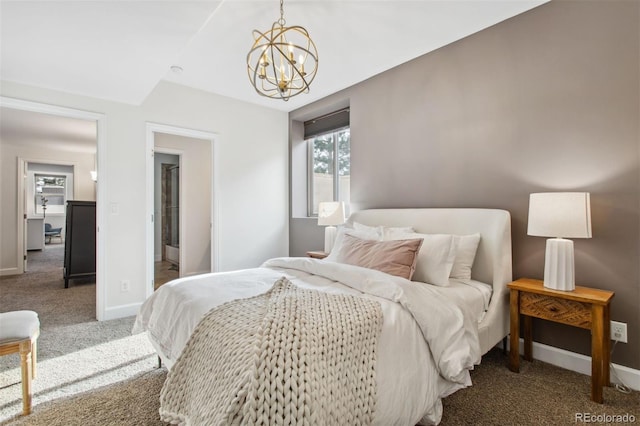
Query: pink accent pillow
column 393, row 257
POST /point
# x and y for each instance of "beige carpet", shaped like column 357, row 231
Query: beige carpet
column 540, row 395
column 98, row 374
column 76, row 353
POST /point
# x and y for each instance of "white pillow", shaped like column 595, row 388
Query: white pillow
column 466, row 247
column 363, row 234
column 435, row 259
column 385, row 233
column 370, row 230
column 389, row 233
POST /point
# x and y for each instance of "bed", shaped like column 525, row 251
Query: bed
column 402, row 345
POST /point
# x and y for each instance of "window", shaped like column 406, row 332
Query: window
column 50, row 194
column 330, row 168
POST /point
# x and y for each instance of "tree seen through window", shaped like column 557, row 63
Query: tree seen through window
column 331, row 165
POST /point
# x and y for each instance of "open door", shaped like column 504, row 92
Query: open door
column 23, row 175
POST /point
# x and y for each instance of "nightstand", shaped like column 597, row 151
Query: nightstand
column 584, row 307
column 317, row 254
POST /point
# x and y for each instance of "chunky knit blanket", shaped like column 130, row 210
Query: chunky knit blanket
column 290, row 356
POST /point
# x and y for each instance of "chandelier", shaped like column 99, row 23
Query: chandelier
column 283, row 61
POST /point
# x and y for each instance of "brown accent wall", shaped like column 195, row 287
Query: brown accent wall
column 546, row 101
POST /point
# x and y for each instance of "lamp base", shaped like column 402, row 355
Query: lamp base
column 330, row 233
column 559, row 273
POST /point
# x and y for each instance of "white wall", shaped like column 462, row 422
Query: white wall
column 251, row 178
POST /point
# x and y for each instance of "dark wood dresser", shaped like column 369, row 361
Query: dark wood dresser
column 80, row 240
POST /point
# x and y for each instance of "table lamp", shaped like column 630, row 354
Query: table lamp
column 560, row 215
column 330, row 214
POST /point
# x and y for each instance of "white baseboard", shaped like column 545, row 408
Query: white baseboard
column 121, row 311
column 158, row 258
column 9, row 271
column 581, row 363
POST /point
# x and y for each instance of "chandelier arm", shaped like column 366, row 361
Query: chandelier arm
column 262, row 83
column 315, row 59
column 253, row 71
column 273, row 68
column 270, row 92
column 304, row 49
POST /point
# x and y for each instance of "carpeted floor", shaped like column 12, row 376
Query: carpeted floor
column 98, row 374
column 541, row 394
column 76, row 353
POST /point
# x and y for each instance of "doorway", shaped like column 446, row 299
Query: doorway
column 99, row 164
column 192, row 183
column 47, row 187
column 167, row 224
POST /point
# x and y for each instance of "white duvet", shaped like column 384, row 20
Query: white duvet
column 426, row 348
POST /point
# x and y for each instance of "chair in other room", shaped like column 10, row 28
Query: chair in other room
column 19, row 331
column 50, row 232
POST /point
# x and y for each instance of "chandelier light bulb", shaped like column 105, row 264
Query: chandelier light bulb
column 301, row 62
column 291, row 59
column 264, row 59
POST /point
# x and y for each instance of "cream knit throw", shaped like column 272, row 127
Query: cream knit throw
column 290, row 356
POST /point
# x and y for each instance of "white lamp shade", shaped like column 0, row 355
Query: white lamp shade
column 331, row 213
column 560, row 214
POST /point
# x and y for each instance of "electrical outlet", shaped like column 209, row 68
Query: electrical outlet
column 619, row 331
column 124, row 286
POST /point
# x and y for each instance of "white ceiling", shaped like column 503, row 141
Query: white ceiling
column 39, row 130
column 120, row 50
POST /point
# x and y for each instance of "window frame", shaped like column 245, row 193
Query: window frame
column 37, row 199
column 336, row 168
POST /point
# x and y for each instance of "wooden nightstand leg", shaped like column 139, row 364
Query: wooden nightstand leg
column 514, row 343
column 606, row 347
column 597, row 355
column 527, row 331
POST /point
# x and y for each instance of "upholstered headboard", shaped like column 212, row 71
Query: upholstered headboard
column 492, row 264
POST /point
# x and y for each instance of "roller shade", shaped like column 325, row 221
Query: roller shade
column 326, row 123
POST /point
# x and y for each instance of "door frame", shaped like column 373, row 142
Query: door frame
column 23, row 166
column 213, row 138
column 101, row 188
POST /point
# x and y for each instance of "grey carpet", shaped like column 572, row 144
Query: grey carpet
column 128, row 392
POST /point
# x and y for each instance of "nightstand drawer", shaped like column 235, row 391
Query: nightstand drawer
column 559, row 310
